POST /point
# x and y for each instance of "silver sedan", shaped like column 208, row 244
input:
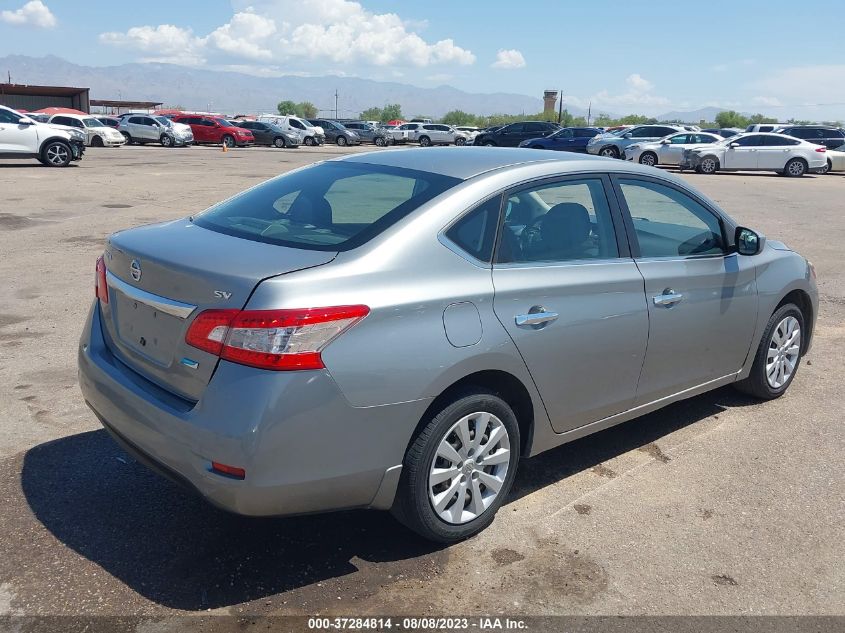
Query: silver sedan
column 394, row 330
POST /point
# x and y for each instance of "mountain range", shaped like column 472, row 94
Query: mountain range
column 238, row 93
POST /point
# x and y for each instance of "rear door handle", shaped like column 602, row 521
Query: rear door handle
column 668, row 298
column 535, row 318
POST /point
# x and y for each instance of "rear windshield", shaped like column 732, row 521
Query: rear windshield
column 333, row 206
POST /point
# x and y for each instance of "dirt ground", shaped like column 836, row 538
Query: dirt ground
column 715, row 505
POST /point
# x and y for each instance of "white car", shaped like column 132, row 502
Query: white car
column 53, row 145
column 97, row 133
column 669, row 150
column 310, row 134
column 396, row 133
column 757, row 152
column 440, row 134
column 835, row 160
column 470, row 130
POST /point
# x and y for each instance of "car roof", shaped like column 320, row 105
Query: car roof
column 467, row 162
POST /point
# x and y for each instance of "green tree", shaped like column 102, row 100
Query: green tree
column 459, row 117
column 286, row 107
column 372, row 114
column 306, row 110
column 761, row 118
column 391, row 111
column 731, row 118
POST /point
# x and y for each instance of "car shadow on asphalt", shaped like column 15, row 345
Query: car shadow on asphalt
column 178, row 551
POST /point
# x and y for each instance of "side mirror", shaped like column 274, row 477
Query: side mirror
column 664, row 141
column 627, row 135
column 748, row 242
column 25, row 120
column 734, row 144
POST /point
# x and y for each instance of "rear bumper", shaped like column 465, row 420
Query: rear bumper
column 303, row 446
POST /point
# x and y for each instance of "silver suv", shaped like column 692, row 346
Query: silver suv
column 440, row 134
column 614, row 143
column 149, row 128
column 395, row 329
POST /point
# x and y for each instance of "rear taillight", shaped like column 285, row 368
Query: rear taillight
column 101, row 290
column 272, row 339
column 821, row 149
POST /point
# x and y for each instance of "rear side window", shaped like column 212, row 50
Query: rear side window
column 327, row 207
column 475, row 233
column 779, row 140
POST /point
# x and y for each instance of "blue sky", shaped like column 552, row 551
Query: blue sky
column 621, row 56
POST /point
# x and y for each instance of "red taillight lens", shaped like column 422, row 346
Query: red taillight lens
column 101, row 290
column 231, row 471
column 821, row 149
column 272, row 339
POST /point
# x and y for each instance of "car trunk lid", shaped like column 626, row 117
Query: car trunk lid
column 161, row 276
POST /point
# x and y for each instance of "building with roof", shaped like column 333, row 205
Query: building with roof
column 30, row 98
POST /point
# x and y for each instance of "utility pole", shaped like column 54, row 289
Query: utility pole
column 335, row 103
column 589, row 112
column 10, row 76
column 560, row 108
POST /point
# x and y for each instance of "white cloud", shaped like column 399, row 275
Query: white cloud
column 772, row 102
column 639, row 96
column 507, row 59
column 726, row 66
column 289, row 32
column 34, row 13
column 163, row 43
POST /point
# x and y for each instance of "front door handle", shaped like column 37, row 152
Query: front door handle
column 668, row 298
column 535, row 318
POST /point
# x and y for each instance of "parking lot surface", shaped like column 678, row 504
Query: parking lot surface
column 715, row 505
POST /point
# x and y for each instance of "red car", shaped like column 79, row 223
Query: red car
column 208, row 129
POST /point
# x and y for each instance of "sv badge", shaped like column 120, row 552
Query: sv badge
column 222, row 294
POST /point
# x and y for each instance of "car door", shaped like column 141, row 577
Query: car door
column 17, row 137
column 776, row 151
column 701, row 296
column 742, row 153
column 571, row 297
column 563, row 140
column 671, row 149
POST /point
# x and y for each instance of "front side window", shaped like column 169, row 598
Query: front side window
column 642, row 132
column 755, row 140
column 669, row 223
column 9, row 117
column 679, row 139
column 555, row 222
column 327, row 207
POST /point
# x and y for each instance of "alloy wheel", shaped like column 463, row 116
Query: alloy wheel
column 469, row 468
column 58, row 154
column 783, row 353
column 708, row 165
column 795, row 168
column 648, row 159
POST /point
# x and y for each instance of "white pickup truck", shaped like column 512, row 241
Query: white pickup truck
column 53, row 145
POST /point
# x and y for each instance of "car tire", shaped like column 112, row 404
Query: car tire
column 279, row 142
column 828, row 167
column 56, row 154
column 425, row 141
column 228, row 141
column 380, row 141
column 709, row 165
column 128, row 138
column 97, row 141
column 773, row 343
column 460, row 141
column 341, row 141
column 649, row 159
column 309, row 141
column 416, row 495
column 166, row 141
column 795, row 168
column 610, row 151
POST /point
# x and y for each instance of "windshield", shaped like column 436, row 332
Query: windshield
column 164, row 121
column 333, row 206
column 92, row 123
